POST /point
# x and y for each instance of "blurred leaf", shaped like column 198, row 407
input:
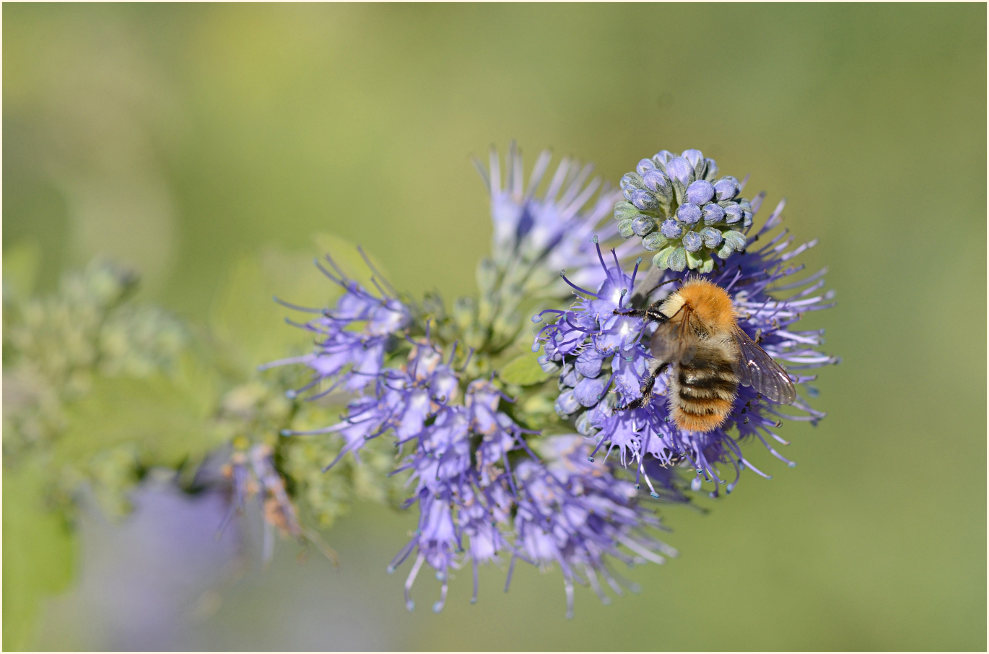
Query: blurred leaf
column 244, row 315
column 38, row 553
column 21, row 264
column 167, row 417
column 523, row 370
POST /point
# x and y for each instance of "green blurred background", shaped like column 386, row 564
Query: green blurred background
column 180, row 138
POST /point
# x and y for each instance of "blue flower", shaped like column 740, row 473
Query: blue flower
column 351, row 339
column 483, row 492
column 487, row 487
column 574, row 513
column 601, row 399
column 543, row 233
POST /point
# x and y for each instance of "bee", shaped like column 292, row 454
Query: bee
column 709, row 355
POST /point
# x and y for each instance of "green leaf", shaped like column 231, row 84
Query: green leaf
column 523, row 370
column 21, row 264
column 167, row 418
column 39, row 552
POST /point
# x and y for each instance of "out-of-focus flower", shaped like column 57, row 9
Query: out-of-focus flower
column 573, row 512
column 536, row 234
column 66, row 357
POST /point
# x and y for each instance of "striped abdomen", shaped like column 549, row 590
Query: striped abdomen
column 702, row 390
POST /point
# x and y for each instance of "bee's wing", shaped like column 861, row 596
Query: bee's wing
column 671, row 342
column 757, row 369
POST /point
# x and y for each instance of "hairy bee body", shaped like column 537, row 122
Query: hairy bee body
column 697, row 342
column 703, row 389
column 708, row 356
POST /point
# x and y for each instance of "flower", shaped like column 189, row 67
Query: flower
column 575, row 513
column 486, row 486
column 603, row 361
column 483, row 492
column 353, row 356
column 683, row 211
column 536, row 235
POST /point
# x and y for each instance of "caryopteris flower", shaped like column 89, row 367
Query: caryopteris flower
column 575, row 513
column 683, row 211
column 538, row 234
column 471, row 471
column 487, row 486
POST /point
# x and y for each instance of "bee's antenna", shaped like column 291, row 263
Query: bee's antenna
column 653, row 289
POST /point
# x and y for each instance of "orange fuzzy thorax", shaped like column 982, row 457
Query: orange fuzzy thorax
column 709, row 302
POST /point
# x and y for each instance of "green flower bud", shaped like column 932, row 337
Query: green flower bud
column 654, row 241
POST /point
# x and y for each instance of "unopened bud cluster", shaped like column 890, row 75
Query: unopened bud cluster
column 683, row 211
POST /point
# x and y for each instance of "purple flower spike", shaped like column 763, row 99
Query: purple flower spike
column 575, row 514
column 546, row 232
column 448, row 391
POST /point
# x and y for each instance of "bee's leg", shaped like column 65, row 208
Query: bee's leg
column 646, row 387
column 652, row 313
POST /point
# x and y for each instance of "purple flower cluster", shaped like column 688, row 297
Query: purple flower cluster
column 354, row 358
column 605, row 358
column 546, row 232
column 487, row 487
column 482, row 492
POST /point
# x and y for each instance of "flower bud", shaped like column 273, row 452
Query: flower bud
column 644, row 166
column 726, row 188
column 689, row 213
column 679, row 169
column 643, row 225
column 692, row 241
column 655, row 241
column 671, row 228
column 713, row 214
column 712, row 237
column 700, row 192
column 642, row 199
column 733, row 213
